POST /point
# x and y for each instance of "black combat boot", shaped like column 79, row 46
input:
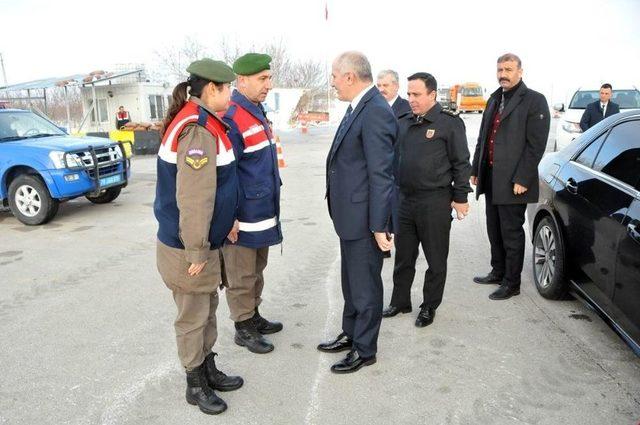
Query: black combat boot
column 217, row 379
column 247, row 335
column 264, row 326
column 201, row 394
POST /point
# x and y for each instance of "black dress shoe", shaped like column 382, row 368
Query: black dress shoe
column 264, row 326
column 341, row 343
column 393, row 311
column 352, row 363
column 425, row 317
column 217, row 379
column 488, row 279
column 504, row 292
column 247, row 335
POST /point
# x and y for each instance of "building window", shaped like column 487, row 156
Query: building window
column 156, row 107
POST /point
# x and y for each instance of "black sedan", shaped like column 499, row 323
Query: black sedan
column 586, row 227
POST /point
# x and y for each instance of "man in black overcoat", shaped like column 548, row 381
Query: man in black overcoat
column 513, row 137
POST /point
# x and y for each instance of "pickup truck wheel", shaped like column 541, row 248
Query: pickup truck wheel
column 30, row 201
column 105, row 196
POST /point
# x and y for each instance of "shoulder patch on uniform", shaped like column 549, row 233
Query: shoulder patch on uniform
column 196, row 159
column 450, row 112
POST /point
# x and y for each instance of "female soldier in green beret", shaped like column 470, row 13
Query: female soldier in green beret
column 195, row 205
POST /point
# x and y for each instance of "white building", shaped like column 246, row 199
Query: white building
column 144, row 100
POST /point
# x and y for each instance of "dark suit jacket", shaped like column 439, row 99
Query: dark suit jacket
column 400, row 107
column 593, row 115
column 518, row 146
column 359, row 170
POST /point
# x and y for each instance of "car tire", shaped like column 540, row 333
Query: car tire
column 548, row 260
column 106, row 196
column 30, row 201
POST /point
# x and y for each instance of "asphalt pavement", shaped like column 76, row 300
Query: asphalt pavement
column 86, row 328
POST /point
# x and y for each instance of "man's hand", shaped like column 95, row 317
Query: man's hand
column 233, row 234
column 518, row 189
column 383, row 243
column 462, row 210
column 195, row 269
column 474, row 180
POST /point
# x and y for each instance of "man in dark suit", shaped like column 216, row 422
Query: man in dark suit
column 359, row 187
column 389, row 86
column 513, row 137
column 599, row 110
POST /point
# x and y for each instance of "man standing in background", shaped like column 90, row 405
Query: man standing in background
column 513, row 138
column 599, row 110
column 388, row 85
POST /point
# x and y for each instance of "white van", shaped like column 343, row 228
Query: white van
column 627, row 96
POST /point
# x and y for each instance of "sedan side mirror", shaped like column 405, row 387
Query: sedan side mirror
column 558, row 107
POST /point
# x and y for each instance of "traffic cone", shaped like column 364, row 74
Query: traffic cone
column 303, row 127
column 281, row 163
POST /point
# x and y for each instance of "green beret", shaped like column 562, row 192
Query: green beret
column 216, row 71
column 251, row 63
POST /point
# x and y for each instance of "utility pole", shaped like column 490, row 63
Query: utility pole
column 4, row 73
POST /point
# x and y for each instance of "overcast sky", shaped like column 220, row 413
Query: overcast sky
column 561, row 43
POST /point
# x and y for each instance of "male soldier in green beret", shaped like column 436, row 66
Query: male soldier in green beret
column 258, row 216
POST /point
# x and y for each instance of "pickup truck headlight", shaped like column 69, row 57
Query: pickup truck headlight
column 571, row 127
column 57, row 158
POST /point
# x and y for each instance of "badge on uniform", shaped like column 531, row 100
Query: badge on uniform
column 196, row 159
column 430, row 133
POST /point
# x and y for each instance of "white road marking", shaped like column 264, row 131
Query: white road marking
column 330, row 330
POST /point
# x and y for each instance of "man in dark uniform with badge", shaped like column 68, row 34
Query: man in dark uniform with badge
column 434, row 172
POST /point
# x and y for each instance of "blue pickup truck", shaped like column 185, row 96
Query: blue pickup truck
column 41, row 166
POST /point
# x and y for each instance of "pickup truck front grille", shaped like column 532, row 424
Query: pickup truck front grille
column 107, row 159
column 102, row 155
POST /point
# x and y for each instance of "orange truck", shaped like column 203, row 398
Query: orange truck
column 468, row 97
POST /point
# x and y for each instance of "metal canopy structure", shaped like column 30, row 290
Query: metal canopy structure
column 76, row 80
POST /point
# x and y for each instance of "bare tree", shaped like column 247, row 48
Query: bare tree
column 229, row 51
column 307, row 74
column 286, row 72
column 175, row 60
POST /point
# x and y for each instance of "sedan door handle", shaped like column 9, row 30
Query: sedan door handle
column 632, row 230
column 571, row 185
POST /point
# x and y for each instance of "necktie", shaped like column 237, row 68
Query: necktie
column 602, row 106
column 501, row 107
column 343, row 123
